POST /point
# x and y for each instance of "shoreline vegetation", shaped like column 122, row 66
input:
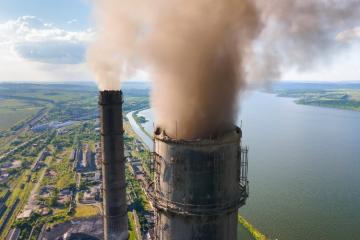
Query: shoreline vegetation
column 139, row 121
column 255, row 233
column 346, row 99
column 251, row 229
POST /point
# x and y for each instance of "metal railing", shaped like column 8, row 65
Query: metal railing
column 201, row 209
column 243, row 181
column 198, row 209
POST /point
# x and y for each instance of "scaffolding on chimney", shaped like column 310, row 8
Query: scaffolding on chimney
column 244, row 182
column 191, row 210
column 201, row 210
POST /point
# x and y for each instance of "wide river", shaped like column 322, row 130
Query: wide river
column 304, row 168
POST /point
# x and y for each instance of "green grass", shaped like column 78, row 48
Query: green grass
column 139, row 121
column 22, row 194
column 59, row 216
column 84, row 211
column 146, row 160
column 13, row 111
column 132, row 103
column 251, row 229
column 132, row 230
column 46, row 95
column 65, row 177
column 141, row 203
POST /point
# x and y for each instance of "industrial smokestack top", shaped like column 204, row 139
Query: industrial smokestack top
column 199, row 186
column 232, row 135
column 111, row 99
column 113, row 166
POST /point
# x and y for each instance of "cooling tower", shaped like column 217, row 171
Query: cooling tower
column 199, row 187
column 113, row 166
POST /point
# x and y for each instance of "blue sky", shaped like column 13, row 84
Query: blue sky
column 46, row 40
column 58, row 12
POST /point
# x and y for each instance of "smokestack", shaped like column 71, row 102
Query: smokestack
column 199, row 186
column 113, row 166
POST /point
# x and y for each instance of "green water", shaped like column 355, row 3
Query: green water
column 304, row 169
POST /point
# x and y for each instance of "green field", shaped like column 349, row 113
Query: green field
column 85, row 211
column 13, row 110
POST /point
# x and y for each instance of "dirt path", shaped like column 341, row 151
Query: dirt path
column 32, row 202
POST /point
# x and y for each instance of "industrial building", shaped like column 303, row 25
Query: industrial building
column 113, row 166
column 199, row 186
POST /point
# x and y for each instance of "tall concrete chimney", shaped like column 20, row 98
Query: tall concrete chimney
column 113, row 166
column 199, row 186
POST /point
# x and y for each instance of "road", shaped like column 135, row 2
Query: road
column 141, row 134
column 25, row 127
column 17, row 147
column 33, row 202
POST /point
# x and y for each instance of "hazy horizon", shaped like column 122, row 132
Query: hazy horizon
column 149, row 81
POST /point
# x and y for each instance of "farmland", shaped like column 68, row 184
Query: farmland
column 14, row 110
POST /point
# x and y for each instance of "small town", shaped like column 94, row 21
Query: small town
column 51, row 177
column 72, row 188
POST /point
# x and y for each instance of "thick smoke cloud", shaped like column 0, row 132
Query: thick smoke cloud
column 299, row 35
column 196, row 51
column 201, row 54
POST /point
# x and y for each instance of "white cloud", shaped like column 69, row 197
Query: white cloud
column 349, row 35
column 345, row 67
column 53, row 52
column 30, row 47
column 72, row 21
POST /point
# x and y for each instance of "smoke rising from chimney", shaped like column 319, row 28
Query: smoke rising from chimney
column 201, row 54
column 114, row 47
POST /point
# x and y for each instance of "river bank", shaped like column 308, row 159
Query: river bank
column 302, row 162
column 246, row 231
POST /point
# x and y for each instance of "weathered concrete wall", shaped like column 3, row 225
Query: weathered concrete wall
column 177, row 227
column 113, row 166
column 197, row 191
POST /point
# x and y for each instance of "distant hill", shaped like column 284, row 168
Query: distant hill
column 314, row 86
column 333, row 95
column 76, row 86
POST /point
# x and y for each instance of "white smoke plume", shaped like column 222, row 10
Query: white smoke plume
column 114, row 47
column 201, row 54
